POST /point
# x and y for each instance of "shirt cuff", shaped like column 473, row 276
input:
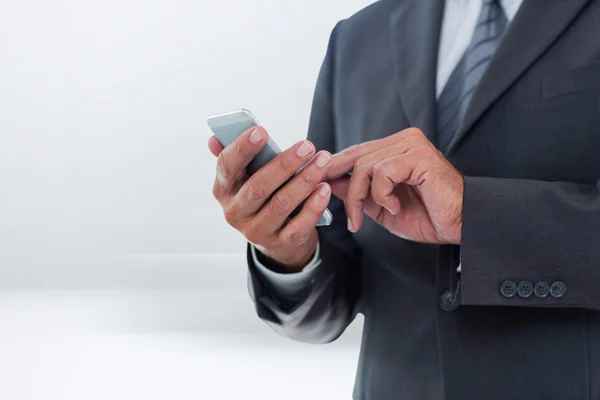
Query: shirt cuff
column 289, row 285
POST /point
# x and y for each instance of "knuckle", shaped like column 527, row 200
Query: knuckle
column 314, row 206
column 240, row 174
column 298, row 236
column 239, row 149
column 230, row 216
column 217, row 191
column 286, row 165
column 281, row 205
column 223, row 167
column 361, row 164
column 308, row 177
column 416, row 132
column 380, row 168
column 255, row 191
column 377, row 195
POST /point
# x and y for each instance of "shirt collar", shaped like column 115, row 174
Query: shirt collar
column 510, row 7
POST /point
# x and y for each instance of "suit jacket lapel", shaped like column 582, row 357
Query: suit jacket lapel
column 415, row 32
column 535, row 27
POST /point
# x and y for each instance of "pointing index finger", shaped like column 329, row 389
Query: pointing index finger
column 343, row 162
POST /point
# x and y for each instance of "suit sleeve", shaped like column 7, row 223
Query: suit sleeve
column 330, row 302
column 285, row 285
column 530, row 243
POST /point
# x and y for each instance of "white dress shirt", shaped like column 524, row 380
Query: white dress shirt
column 460, row 18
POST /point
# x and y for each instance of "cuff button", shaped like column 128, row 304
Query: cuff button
column 541, row 290
column 558, row 289
column 447, row 301
column 525, row 289
column 508, row 289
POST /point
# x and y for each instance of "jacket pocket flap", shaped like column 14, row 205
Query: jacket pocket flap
column 574, row 80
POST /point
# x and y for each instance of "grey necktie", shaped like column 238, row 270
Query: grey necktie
column 455, row 98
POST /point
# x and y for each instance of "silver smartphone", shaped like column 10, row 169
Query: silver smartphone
column 230, row 125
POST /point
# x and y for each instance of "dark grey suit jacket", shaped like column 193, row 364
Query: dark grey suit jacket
column 529, row 148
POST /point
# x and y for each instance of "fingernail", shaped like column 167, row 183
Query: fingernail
column 304, row 149
column 256, row 136
column 323, row 160
column 324, row 191
column 349, row 225
column 390, row 210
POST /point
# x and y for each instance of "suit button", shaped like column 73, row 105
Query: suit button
column 541, row 290
column 446, row 301
column 508, row 289
column 558, row 289
column 525, row 289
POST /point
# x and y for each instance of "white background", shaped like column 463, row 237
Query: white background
column 119, row 278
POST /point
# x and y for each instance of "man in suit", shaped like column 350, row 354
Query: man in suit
column 472, row 130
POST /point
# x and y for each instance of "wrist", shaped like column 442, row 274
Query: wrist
column 290, row 260
column 456, row 235
column 456, row 231
column 452, row 234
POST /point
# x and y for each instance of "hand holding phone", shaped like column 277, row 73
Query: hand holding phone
column 228, row 126
column 275, row 199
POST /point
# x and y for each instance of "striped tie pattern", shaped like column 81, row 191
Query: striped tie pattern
column 455, row 98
